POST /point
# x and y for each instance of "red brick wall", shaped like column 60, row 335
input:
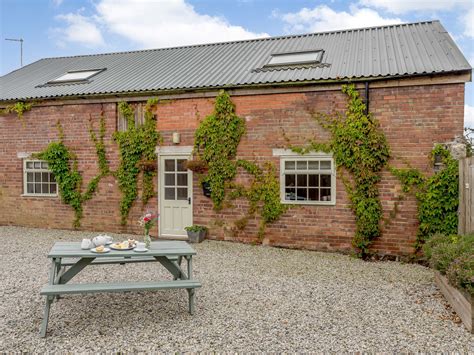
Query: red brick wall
column 413, row 118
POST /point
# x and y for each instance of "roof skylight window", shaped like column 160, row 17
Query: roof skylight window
column 74, row 76
column 295, row 58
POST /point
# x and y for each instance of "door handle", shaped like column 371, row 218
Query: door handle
column 189, row 200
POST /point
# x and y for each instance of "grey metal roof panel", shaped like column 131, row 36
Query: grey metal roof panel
column 385, row 51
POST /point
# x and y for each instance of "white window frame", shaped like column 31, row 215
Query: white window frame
column 288, row 155
column 25, row 182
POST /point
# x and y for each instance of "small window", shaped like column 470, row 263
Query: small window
column 308, row 180
column 295, row 58
column 76, row 76
column 38, row 180
column 139, row 112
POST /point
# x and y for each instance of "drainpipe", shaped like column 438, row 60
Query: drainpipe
column 366, row 97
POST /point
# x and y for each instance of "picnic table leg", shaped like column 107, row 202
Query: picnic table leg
column 191, row 291
column 49, row 299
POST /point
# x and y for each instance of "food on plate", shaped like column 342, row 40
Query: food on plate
column 100, row 249
column 123, row 245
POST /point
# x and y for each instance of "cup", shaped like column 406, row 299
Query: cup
column 86, row 244
column 108, row 239
column 140, row 246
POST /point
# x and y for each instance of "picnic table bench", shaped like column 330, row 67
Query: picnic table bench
column 68, row 259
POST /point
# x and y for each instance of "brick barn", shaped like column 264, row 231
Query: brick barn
column 411, row 77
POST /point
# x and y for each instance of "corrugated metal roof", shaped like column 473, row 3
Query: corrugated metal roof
column 386, row 51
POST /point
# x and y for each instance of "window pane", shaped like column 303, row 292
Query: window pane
column 313, row 164
column 325, row 180
column 290, row 180
column 45, row 177
column 290, row 165
column 37, row 188
column 325, row 165
column 169, row 180
column 29, row 177
column 182, row 179
column 29, row 165
column 44, row 165
column 325, row 194
column 301, row 165
column 52, row 188
column 169, row 165
column 30, row 188
column 45, row 188
column 51, row 177
column 169, row 193
column 181, row 165
column 302, row 180
column 37, row 177
column 182, row 193
column 313, row 194
column 301, row 194
column 313, row 180
column 290, row 194
column 37, row 164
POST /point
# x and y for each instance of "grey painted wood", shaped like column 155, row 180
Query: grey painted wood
column 115, row 260
column 51, row 290
column 172, row 267
column 159, row 248
column 68, row 259
column 74, row 270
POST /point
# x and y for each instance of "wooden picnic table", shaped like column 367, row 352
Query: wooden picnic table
column 68, row 259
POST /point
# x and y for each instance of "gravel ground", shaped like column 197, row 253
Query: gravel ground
column 253, row 298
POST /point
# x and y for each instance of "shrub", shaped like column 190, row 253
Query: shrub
column 460, row 272
column 453, row 255
column 196, row 228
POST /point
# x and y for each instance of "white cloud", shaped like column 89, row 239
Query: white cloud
column 79, row 30
column 323, row 18
column 405, row 6
column 166, row 23
column 151, row 24
column 469, row 116
column 468, row 20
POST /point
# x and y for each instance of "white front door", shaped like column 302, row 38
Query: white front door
column 176, row 191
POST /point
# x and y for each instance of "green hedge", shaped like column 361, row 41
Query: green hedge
column 453, row 256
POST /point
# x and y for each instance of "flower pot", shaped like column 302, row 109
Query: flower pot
column 196, row 237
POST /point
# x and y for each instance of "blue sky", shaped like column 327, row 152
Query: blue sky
column 70, row 27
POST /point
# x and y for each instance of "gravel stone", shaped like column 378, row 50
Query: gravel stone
column 253, row 299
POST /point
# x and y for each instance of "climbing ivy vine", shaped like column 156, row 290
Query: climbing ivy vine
column 137, row 150
column 437, row 195
column 263, row 194
column 19, row 108
column 359, row 147
column 63, row 164
column 216, row 142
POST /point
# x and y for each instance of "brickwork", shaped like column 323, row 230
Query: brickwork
column 413, row 118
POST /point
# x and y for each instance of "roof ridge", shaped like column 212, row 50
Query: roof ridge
column 244, row 40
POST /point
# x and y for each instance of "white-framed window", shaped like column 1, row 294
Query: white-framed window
column 308, row 179
column 139, row 112
column 74, row 76
column 38, row 180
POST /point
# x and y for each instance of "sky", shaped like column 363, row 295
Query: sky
column 52, row 28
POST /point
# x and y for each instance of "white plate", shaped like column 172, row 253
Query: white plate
column 140, row 250
column 106, row 250
column 108, row 243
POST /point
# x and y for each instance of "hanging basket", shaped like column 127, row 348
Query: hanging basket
column 147, row 165
column 197, row 166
